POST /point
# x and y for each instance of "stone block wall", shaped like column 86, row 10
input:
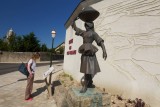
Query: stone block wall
column 25, row 56
column 15, row 56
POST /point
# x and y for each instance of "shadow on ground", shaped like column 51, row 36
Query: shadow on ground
column 42, row 89
column 22, row 79
column 39, row 91
column 55, row 84
column 38, row 81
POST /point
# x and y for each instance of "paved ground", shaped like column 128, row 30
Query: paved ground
column 12, row 89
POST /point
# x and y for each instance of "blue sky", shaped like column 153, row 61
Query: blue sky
column 38, row 16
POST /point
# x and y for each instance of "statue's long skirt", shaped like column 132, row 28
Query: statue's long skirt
column 89, row 64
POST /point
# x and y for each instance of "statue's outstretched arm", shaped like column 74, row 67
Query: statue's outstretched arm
column 74, row 24
column 78, row 30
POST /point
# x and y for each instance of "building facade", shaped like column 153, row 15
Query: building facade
column 60, row 48
column 131, row 33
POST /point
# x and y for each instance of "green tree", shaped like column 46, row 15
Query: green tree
column 19, row 46
column 52, row 50
column 22, row 43
column 31, row 43
column 12, row 43
column 44, row 48
column 60, row 50
column 3, row 45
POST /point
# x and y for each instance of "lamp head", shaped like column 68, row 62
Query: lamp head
column 53, row 33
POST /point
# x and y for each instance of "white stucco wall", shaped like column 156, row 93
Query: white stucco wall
column 131, row 30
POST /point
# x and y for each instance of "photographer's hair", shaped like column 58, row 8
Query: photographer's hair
column 35, row 55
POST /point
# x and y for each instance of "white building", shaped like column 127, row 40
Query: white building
column 131, row 31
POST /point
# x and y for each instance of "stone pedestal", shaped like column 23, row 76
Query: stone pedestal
column 91, row 98
column 67, row 94
column 71, row 97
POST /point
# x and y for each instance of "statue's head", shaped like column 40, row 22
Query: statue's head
column 89, row 25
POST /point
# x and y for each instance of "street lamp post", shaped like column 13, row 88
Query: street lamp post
column 48, row 84
column 53, row 36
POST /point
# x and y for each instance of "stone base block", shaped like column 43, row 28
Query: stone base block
column 73, row 98
column 91, row 98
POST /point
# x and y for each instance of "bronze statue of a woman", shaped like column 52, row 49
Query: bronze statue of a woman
column 89, row 63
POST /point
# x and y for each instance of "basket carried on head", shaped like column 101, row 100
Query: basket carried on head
column 88, row 14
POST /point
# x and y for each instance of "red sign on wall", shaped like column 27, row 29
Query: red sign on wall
column 71, row 52
column 71, row 41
